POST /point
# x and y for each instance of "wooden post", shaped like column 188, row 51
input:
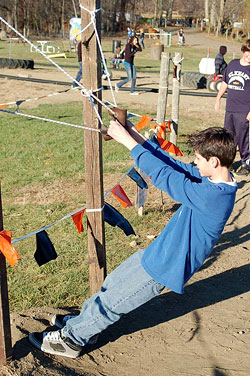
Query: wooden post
column 156, row 51
column 5, row 332
column 91, row 77
column 176, row 97
column 163, row 87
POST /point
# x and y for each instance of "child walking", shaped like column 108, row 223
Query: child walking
column 207, row 194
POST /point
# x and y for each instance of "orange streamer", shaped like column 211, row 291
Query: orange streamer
column 145, row 120
column 169, row 147
column 77, row 219
column 7, row 248
column 121, row 196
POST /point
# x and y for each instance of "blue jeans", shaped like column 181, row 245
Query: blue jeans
column 131, row 72
column 142, row 42
column 79, row 74
column 125, row 289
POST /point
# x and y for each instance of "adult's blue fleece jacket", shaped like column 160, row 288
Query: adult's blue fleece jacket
column 189, row 237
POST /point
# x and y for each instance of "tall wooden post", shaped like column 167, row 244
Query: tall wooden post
column 91, row 78
column 176, row 97
column 163, row 87
column 5, row 332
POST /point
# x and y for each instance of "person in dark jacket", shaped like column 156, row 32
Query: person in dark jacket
column 220, row 64
column 130, row 50
column 79, row 74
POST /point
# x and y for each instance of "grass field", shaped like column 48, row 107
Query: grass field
column 144, row 62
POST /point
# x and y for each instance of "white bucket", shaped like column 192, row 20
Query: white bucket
column 207, row 65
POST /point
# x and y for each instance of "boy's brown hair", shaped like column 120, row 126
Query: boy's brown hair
column 214, row 142
column 245, row 46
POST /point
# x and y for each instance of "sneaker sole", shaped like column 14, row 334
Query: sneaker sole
column 37, row 344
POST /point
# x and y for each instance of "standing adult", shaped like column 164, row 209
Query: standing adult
column 79, row 74
column 220, row 64
column 130, row 50
column 236, row 80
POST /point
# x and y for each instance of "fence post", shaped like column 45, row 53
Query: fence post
column 163, row 87
column 175, row 97
column 5, row 332
column 91, row 77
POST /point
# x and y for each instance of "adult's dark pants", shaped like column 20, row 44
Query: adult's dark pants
column 238, row 125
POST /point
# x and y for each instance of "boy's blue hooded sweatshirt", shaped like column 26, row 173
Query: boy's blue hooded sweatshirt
column 189, row 237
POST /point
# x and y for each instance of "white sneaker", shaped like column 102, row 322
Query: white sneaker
column 55, row 343
column 61, row 320
column 134, row 93
column 116, row 88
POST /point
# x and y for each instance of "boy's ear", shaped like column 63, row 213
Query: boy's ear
column 215, row 162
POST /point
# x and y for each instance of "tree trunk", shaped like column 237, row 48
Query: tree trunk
column 206, row 10
column 170, row 9
column 213, row 15
column 62, row 19
column 221, row 16
column 74, row 6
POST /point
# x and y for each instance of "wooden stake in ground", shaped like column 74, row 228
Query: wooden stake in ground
column 5, row 332
column 91, row 78
column 176, row 97
column 163, row 87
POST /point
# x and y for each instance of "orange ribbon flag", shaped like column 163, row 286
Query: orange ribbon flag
column 121, row 196
column 169, row 146
column 7, row 248
column 145, row 120
column 169, row 125
column 162, row 130
column 77, row 218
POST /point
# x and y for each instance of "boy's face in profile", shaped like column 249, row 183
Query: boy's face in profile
column 246, row 57
column 204, row 166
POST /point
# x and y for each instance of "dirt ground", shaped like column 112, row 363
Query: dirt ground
column 204, row 332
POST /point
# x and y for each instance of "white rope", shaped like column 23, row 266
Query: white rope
column 93, row 21
column 53, row 62
column 70, row 215
column 46, row 227
column 80, row 32
column 102, row 55
column 20, row 101
column 94, row 210
column 50, row 120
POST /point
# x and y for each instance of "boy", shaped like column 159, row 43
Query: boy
column 207, row 193
column 236, row 81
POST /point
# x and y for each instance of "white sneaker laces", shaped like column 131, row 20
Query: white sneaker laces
column 53, row 336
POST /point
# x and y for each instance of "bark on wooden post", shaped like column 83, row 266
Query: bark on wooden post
column 91, row 78
column 163, row 87
column 175, row 97
column 5, row 332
